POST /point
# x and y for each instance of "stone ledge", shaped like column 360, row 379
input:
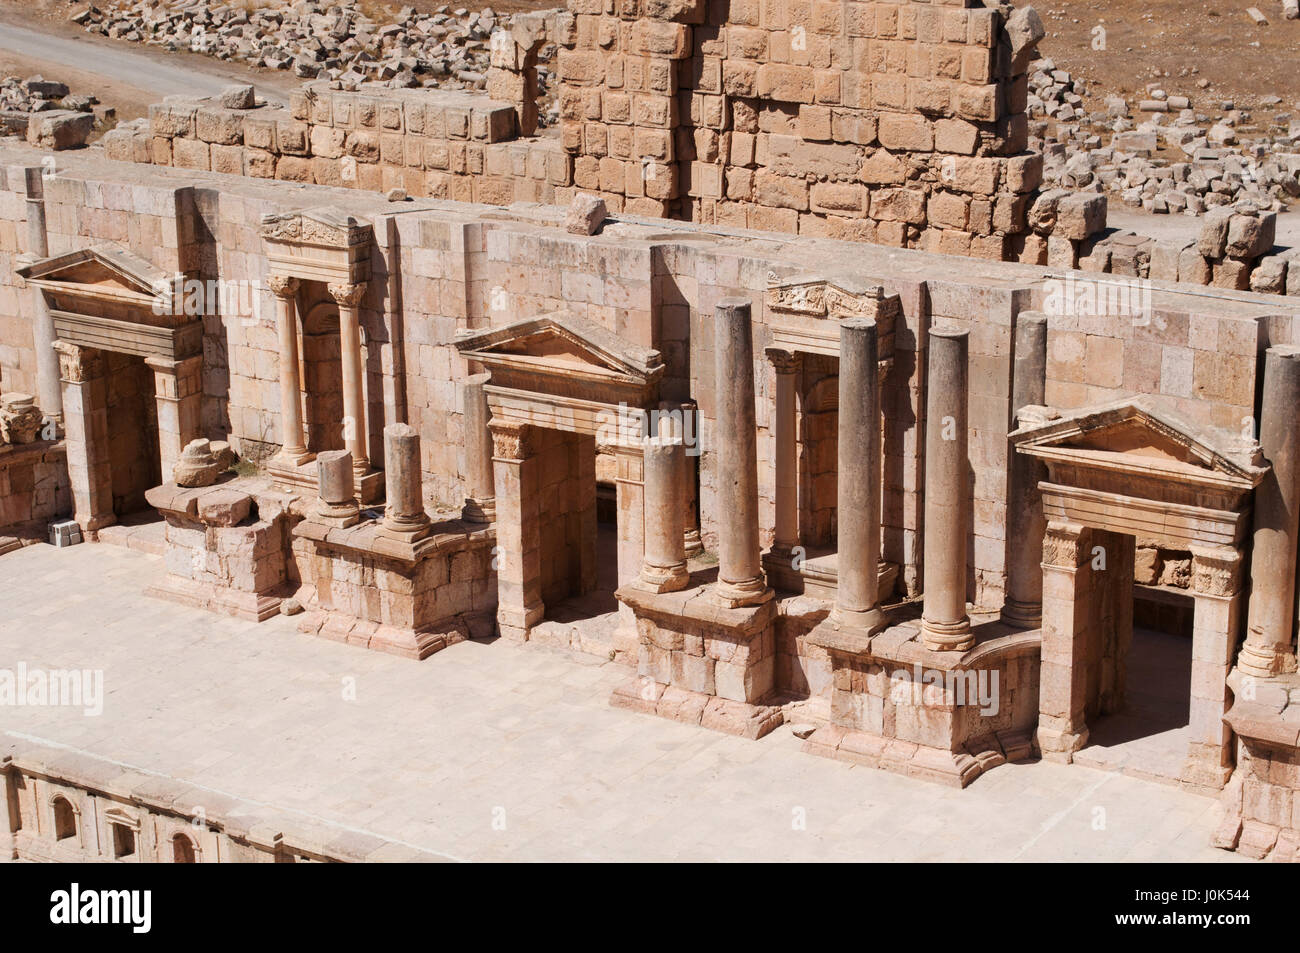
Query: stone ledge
column 371, row 538
column 414, row 644
column 697, row 708
column 252, row 606
column 953, row 768
column 695, row 605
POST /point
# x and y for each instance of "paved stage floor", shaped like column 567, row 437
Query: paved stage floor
column 504, row 752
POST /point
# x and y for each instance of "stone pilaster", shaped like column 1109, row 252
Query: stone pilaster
column 293, row 446
column 740, row 575
column 518, row 528
column 404, row 512
column 1216, row 588
column 348, row 297
column 85, row 405
column 857, row 597
column 663, row 568
column 1025, row 519
column 1269, row 648
column 945, row 624
column 480, row 496
column 1063, row 679
column 178, row 393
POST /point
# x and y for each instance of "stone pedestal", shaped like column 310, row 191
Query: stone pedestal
column 1025, row 519
column 480, row 494
column 701, row 663
column 946, row 626
column 740, row 575
column 1269, row 648
column 1063, row 683
column 518, row 526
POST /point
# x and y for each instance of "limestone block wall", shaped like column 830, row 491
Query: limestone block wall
column 896, row 122
column 429, row 142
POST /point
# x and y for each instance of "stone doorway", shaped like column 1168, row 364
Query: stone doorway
column 132, row 421
column 1116, row 472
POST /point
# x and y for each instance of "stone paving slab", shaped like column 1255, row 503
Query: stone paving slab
column 504, row 752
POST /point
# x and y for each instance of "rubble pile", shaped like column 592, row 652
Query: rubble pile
column 1164, row 154
column 47, row 113
column 448, row 48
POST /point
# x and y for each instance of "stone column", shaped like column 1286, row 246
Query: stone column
column 786, row 530
column 1067, row 612
column 404, row 510
column 690, row 490
column 1271, row 613
column 740, row 575
column 480, row 497
column 293, row 446
column 178, row 393
column 1216, row 587
column 348, row 296
column 945, row 626
column 663, row 568
column 857, row 598
column 85, row 403
column 1025, row 519
column 338, row 504
column 49, row 392
column 518, row 528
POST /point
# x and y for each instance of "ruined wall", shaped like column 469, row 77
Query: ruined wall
column 901, row 123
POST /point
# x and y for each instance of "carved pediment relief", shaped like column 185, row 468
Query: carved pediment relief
column 561, row 354
column 101, row 271
column 828, row 300
column 1138, row 440
column 325, row 226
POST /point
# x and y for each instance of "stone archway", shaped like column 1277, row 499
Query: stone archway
column 1116, row 472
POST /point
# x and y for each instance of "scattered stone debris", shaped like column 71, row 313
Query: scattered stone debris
column 1163, row 154
column 48, row 114
column 448, row 48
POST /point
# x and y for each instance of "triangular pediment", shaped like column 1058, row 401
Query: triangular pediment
column 1139, row 436
column 100, row 270
column 562, row 344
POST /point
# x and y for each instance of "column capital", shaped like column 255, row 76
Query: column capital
column 1063, row 545
column 283, row 286
column 785, row 362
column 1216, row 571
column 348, row 294
column 78, row 364
column 511, row 441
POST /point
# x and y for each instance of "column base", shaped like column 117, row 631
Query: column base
column 291, row 476
column 340, row 517
column 694, row 545
column 737, row 595
column 1264, row 664
column 947, row 636
column 1026, row 615
column 868, row 621
column 479, row 511
column 955, row 769
column 404, row 531
column 663, row 578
